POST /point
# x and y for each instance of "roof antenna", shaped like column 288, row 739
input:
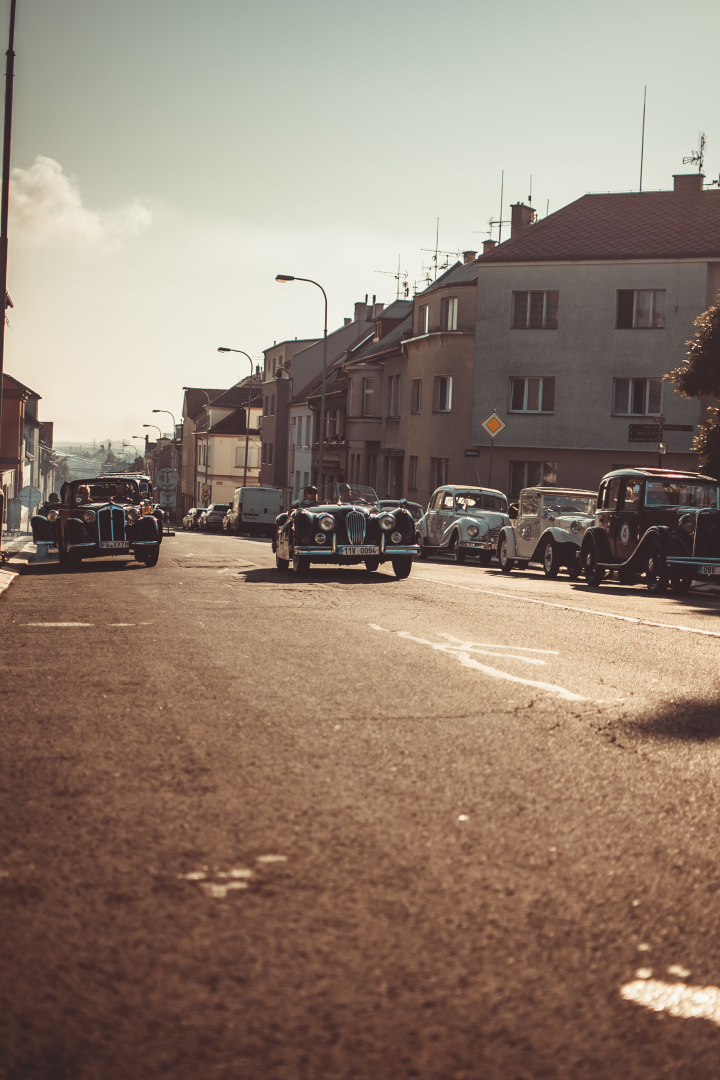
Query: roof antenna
column 530, row 195
column 698, row 157
column 642, row 143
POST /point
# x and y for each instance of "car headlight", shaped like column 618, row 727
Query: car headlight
column 576, row 526
column 387, row 521
column 327, row 522
column 53, row 515
column 131, row 514
column 396, row 537
column 89, row 516
column 319, row 538
column 472, row 530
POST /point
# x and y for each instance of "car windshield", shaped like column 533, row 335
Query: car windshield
column 474, row 502
column 414, row 508
column 349, row 493
column 218, row 508
column 90, row 491
column 569, row 504
column 677, row 493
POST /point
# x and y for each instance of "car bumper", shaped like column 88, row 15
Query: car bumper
column 326, row 554
column 702, row 569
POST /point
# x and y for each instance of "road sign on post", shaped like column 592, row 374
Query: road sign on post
column 167, row 478
column 493, row 424
column 168, row 498
column 679, row 427
column 644, row 433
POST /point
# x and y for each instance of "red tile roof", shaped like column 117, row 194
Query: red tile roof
column 636, row 225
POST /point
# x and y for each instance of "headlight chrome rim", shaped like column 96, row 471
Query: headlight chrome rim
column 327, row 522
column 473, row 530
column 320, row 538
column 396, row 537
column 131, row 514
column 576, row 526
column 387, row 522
column 53, row 515
column 89, row 517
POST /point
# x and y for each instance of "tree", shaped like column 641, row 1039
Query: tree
column 698, row 377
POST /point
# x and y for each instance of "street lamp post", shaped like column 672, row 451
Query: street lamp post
column 289, row 277
column 207, row 415
column 160, row 434
column 141, row 438
column 224, row 349
column 168, row 413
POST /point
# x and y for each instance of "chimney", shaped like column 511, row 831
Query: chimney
column 361, row 311
column 469, row 256
column 488, row 245
column 346, row 322
column 377, row 308
column 521, row 218
column 688, row 181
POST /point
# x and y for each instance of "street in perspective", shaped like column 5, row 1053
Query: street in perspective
column 359, row 712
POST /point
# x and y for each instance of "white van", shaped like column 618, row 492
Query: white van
column 254, row 510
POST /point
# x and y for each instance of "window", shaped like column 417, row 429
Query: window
column 266, row 406
column 448, row 313
column 423, row 320
column 270, row 453
column 368, row 397
column 264, row 454
column 535, row 310
column 637, row 397
column 350, row 397
column 331, row 423
column 640, row 309
column 413, row 474
column 274, row 367
column 532, row 395
column 530, row 504
column 297, row 484
column 439, row 468
column 293, row 434
column 443, row 393
column 530, row 474
column 394, row 395
column 416, row 398
column 437, row 500
column 448, row 502
column 272, row 404
column 632, row 494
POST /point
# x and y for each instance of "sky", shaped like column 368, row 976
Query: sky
column 170, row 158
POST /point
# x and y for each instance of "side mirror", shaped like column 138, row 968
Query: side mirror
column 294, row 504
column 513, row 512
column 545, row 513
column 402, row 502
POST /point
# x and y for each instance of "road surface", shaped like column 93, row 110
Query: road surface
column 259, row 827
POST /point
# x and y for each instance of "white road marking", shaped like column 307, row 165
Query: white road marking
column 580, row 611
column 121, row 624
column 462, row 651
column 676, row 998
column 219, row 892
column 58, row 624
column 476, row 647
column 271, row 858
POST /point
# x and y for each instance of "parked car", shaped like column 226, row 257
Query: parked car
column 463, row 521
column 192, row 518
column 253, row 511
column 662, row 524
column 547, row 528
column 212, row 518
column 346, row 528
column 103, row 516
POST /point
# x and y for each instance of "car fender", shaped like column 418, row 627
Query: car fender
column 561, row 536
column 509, row 533
column 602, row 545
column 421, row 527
column 75, row 532
column 670, row 544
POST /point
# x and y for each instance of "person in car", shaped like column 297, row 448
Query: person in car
column 310, row 497
column 83, row 494
column 42, row 529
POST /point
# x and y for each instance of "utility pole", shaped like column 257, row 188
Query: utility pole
column 7, row 139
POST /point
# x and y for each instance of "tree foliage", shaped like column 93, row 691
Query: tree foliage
column 699, row 376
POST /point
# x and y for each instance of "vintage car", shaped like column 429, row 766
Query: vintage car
column 144, row 482
column 192, row 518
column 654, row 522
column 104, row 516
column 347, row 528
column 212, row 518
column 548, row 528
column 463, row 521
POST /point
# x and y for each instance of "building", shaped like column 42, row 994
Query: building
column 277, row 392
column 24, row 462
column 579, row 317
column 195, row 400
column 221, row 436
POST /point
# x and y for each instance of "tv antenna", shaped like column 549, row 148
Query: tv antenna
column 401, row 276
column 436, row 253
column 699, row 156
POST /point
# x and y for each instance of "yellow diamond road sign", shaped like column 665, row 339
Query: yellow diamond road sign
column 493, row 424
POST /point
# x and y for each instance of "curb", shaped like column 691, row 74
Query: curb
column 6, row 579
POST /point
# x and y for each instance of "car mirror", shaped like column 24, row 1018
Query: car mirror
column 513, row 513
column 294, row 504
column 545, row 513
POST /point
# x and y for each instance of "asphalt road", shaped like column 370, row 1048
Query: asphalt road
column 259, row 827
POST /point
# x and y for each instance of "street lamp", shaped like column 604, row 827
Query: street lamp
column 289, row 277
column 224, row 349
column 168, row 413
column 207, row 414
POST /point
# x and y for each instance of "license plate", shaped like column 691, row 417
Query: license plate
column 710, row 570
column 368, row 549
column 114, row 544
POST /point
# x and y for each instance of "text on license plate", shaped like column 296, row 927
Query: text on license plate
column 368, row 549
column 711, row 570
column 114, row 544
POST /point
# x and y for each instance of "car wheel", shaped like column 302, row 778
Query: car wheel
column 424, row 550
column 458, row 552
column 402, row 565
column 371, row 565
column 62, row 553
column 593, row 573
column 506, row 563
column 485, row 558
column 151, row 559
column 680, row 583
column 301, row 564
column 281, row 564
column 550, row 559
column 574, row 570
column 656, row 570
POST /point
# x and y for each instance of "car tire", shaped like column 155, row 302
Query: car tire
column 371, row 565
column 680, row 583
column 62, row 553
column 424, row 551
column 281, row 564
column 656, row 570
column 551, row 559
column 301, row 564
column 151, row 559
column 593, row 573
column 402, row 565
column 458, row 552
column 506, row 563
column 485, row 558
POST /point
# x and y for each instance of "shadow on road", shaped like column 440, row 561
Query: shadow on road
column 682, row 721
column 332, row 575
column 43, row 569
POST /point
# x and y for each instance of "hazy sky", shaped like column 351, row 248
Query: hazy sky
column 171, row 157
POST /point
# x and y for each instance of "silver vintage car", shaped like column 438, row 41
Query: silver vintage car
column 548, row 529
column 463, row 521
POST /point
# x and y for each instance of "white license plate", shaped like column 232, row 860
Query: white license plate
column 710, row 570
column 368, row 549
column 114, row 544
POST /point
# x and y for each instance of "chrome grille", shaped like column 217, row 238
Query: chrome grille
column 355, row 525
column 493, row 534
column 111, row 523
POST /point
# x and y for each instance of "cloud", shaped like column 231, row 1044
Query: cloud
column 46, row 206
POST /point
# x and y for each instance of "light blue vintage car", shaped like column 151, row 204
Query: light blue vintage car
column 463, row 521
column 549, row 529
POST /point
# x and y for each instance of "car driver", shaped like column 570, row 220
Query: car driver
column 310, row 497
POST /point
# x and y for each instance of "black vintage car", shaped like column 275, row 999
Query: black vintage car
column 105, row 516
column 347, row 528
column 664, row 525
